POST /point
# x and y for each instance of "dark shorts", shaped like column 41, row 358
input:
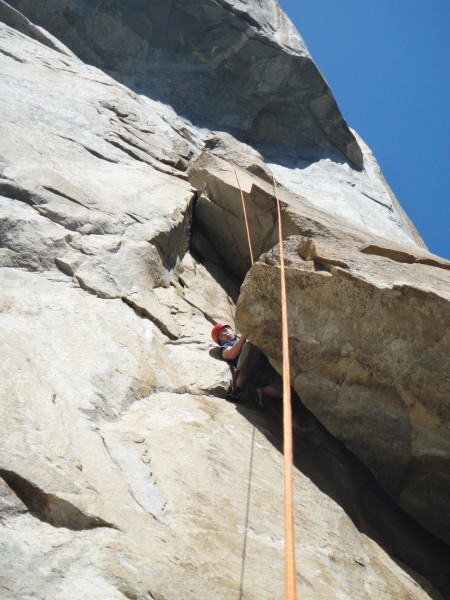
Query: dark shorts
column 254, row 366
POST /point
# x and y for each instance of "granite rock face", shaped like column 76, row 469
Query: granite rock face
column 369, row 328
column 369, row 347
column 124, row 473
column 226, row 64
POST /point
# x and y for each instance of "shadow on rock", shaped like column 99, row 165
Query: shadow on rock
column 215, row 353
column 341, row 476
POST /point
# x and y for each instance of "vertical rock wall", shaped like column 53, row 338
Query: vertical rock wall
column 124, row 473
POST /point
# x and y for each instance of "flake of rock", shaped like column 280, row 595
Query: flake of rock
column 369, row 349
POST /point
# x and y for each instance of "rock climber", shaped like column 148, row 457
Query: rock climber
column 253, row 372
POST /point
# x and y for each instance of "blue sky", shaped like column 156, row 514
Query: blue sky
column 387, row 63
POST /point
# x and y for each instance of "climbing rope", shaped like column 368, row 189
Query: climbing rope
column 290, row 571
column 245, row 216
column 289, row 539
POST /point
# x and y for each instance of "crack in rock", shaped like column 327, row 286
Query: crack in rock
column 403, row 256
column 141, row 311
column 14, row 191
column 49, row 508
column 99, row 155
column 149, row 160
column 9, row 55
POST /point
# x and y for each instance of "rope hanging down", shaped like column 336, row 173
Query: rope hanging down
column 245, row 216
column 289, row 539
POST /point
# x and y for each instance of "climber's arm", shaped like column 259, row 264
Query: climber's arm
column 233, row 352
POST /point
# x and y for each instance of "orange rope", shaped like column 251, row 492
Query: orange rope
column 245, row 216
column 290, row 572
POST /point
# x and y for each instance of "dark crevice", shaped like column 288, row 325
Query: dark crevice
column 58, row 193
column 156, row 164
column 49, row 508
column 11, row 190
column 378, row 202
column 433, row 263
column 128, row 151
column 173, row 244
column 180, row 159
column 326, row 264
column 321, row 266
column 184, row 340
column 179, row 163
column 132, row 127
column 403, row 256
column 132, row 595
column 212, row 261
column 137, row 146
column 90, row 150
column 164, row 161
column 20, row 60
column 55, row 217
column 115, row 109
column 98, row 155
column 71, row 199
column 134, row 217
column 63, row 267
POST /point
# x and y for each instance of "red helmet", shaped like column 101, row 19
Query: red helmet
column 216, row 330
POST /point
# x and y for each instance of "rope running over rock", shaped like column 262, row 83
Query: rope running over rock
column 289, row 535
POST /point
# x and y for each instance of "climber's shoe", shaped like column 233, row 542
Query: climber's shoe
column 234, row 393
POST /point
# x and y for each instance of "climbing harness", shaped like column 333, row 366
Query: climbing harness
column 289, row 537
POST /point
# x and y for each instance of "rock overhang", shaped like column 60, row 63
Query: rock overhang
column 369, row 357
column 366, row 320
column 214, row 67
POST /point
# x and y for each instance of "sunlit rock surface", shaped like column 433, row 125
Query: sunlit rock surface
column 369, row 323
column 230, row 65
column 369, row 343
column 124, row 472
